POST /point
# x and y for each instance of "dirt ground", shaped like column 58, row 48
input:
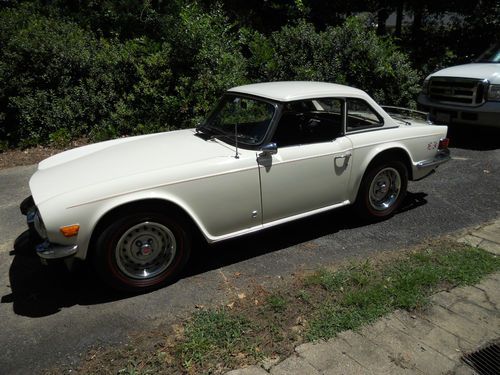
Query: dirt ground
column 17, row 157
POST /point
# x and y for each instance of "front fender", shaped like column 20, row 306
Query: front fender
column 94, row 212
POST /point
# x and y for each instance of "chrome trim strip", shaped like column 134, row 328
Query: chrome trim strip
column 47, row 250
column 276, row 222
column 403, row 109
column 376, row 129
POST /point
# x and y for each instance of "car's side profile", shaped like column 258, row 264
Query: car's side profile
column 268, row 153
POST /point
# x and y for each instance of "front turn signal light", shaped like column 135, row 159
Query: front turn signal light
column 70, row 230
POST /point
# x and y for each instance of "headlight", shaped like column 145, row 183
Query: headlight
column 494, row 92
column 425, row 86
column 39, row 225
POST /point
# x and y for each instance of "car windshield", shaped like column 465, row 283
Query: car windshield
column 492, row 55
column 243, row 118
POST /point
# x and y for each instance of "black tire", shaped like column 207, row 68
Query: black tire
column 142, row 251
column 382, row 189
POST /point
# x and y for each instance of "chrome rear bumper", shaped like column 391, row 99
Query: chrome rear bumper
column 442, row 157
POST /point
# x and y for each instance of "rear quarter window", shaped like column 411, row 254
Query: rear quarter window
column 360, row 115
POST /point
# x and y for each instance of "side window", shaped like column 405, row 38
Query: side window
column 361, row 116
column 309, row 121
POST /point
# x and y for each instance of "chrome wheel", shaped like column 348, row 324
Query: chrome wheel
column 145, row 250
column 384, row 189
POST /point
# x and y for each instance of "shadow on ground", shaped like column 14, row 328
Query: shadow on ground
column 39, row 290
column 473, row 137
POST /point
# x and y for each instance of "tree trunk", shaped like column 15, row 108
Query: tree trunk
column 399, row 19
column 382, row 16
column 417, row 21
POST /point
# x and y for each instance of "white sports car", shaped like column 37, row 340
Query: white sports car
column 268, row 153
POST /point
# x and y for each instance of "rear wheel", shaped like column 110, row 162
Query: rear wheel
column 382, row 189
column 142, row 251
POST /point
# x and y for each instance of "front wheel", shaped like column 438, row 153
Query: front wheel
column 382, row 189
column 142, row 251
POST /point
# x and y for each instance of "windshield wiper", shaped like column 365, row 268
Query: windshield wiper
column 212, row 132
column 250, row 139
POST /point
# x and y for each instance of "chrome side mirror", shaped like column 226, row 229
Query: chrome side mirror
column 269, row 149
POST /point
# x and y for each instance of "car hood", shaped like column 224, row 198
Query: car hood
column 489, row 71
column 122, row 159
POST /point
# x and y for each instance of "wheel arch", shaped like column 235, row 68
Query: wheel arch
column 141, row 204
column 398, row 153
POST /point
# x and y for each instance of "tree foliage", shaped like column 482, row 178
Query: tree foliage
column 103, row 69
column 348, row 54
column 60, row 81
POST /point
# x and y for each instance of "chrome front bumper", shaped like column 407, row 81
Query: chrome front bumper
column 47, row 250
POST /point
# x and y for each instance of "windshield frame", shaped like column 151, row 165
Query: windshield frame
column 229, row 137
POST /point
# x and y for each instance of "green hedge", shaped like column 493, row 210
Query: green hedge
column 59, row 80
column 350, row 54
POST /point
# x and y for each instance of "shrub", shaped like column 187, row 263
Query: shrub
column 374, row 64
column 138, row 81
column 350, row 54
column 42, row 64
column 302, row 54
column 57, row 78
column 208, row 59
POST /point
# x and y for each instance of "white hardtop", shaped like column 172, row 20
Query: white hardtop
column 287, row 91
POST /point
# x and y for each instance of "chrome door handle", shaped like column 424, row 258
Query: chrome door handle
column 343, row 156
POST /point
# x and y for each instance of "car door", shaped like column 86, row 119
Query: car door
column 312, row 165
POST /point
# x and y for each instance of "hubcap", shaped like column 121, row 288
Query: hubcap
column 145, row 250
column 384, row 189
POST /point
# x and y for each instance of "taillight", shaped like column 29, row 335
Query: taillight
column 443, row 143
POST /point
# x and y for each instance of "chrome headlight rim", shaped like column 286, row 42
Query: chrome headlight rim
column 494, row 93
column 39, row 225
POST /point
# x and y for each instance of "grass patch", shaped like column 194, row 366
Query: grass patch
column 212, row 337
column 364, row 292
column 326, row 302
column 277, row 303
